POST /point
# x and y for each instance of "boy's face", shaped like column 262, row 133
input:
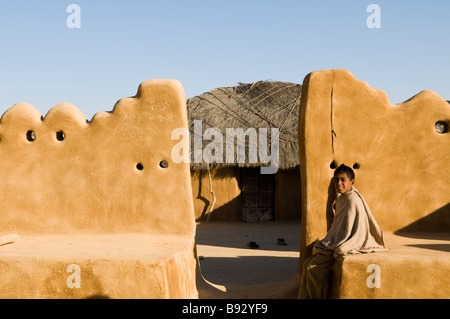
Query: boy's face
column 342, row 183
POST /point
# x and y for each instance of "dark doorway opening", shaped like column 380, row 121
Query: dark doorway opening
column 258, row 195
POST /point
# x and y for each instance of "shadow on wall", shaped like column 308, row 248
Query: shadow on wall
column 229, row 211
column 328, row 210
column 226, row 212
column 434, row 226
column 439, row 247
column 330, row 201
column 203, row 199
column 437, row 221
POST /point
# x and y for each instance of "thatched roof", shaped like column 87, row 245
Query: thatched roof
column 263, row 104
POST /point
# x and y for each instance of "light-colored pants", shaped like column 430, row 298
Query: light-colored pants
column 315, row 276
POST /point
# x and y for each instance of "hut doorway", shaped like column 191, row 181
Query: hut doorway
column 258, row 195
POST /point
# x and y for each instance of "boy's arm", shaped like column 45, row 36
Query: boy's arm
column 342, row 228
column 357, row 229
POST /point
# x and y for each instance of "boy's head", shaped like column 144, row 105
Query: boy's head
column 344, row 178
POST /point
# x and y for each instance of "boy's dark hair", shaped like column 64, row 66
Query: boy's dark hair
column 345, row 169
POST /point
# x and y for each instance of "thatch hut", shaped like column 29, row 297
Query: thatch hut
column 231, row 186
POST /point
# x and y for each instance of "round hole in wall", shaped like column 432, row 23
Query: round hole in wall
column 139, row 166
column 441, row 127
column 333, row 165
column 60, row 135
column 356, row 166
column 31, row 136
column 163, row 164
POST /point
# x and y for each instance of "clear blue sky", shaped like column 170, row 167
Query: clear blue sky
column 210, row 43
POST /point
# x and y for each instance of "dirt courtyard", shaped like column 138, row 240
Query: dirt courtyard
column 232, row 270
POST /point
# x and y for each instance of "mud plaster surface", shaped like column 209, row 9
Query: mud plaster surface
column 142, row 247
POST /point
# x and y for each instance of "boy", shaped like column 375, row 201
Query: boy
column 354, row 230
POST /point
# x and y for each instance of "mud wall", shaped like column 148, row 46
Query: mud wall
column 400, row 154
column 62, row 173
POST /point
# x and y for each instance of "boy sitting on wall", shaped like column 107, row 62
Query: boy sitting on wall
column 354, row 230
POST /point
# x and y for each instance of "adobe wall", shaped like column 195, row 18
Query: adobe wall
column 103, row 196
column 401, row 161
column 103, row 175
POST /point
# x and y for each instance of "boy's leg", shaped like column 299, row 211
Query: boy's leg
column 303, row 291
column 317, row 273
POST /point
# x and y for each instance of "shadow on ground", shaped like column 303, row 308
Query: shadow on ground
column 227, row 268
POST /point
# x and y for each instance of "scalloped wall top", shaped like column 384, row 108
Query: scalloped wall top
column 61, row 173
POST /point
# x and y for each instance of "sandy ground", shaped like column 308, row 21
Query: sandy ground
column 232, row 270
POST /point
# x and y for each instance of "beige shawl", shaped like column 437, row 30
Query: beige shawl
column 354, row 229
